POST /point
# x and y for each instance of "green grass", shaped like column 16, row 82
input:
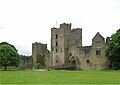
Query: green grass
column 60, row 77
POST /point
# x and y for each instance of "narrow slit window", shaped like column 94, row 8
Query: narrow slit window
column 56, row 43
column 56, row 50
column 56, row 36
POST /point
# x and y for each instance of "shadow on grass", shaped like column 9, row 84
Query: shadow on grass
column 14, row 69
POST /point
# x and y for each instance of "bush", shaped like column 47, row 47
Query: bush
column 48, row 69
column 38, row 66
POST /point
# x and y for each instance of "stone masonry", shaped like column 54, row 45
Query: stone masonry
column 67, row 50
column 40, row 54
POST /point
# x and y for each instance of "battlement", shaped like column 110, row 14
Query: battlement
column 65, row 25
column 76, row 29
column 54, row 28
column 40, row 44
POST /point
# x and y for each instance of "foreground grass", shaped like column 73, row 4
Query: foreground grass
column 60, row 77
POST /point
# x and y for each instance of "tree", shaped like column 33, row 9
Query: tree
column 113, row 51
column 8, row 55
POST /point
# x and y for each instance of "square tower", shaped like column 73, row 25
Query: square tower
column 61, row 38
column 40, row 54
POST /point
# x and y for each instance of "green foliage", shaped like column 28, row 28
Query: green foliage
column 113, row 51
column 38, row 66
column 8, row 55
column 48, row 69
column 5, row 43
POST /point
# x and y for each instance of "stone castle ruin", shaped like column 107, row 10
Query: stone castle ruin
column 67, row 50
column 40, row 54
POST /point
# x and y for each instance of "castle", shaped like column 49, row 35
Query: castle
column 67, row 50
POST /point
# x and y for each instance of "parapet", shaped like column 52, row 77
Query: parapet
column 65, row 25
column 40, row 44
column 77, row 29
column 54, row 28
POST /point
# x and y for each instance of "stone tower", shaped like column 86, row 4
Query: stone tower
column 62, row 39
column 40, row 54
column 67, row 50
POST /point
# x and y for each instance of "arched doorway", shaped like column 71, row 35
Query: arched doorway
column 73, row 64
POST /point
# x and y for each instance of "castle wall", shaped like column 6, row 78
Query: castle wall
column 98, row 58
column 26, row 62
column 69, row 51
column 40, row 54
column 94, row 56
column 76, row 37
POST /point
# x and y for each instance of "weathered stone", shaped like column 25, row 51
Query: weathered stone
column 40, row 54
column 26, row 62
column 67, row 50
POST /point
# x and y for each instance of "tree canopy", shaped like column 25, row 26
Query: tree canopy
column 8, row 55
column 113, row 51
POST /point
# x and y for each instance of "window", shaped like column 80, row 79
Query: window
column 56, row 43
column 56, row 61
column 56, row 36
column 98, row 52
column 87, row 61
column 70, row 54
column 56, row 50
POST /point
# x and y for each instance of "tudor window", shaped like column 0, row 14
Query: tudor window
column 87, row 61
column 98, row 52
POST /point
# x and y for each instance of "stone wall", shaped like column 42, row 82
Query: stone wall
column 61, row 40
column 40, row 54
column 67, row 50
column 26, row 62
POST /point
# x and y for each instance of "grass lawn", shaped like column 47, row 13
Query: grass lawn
column 60, row 77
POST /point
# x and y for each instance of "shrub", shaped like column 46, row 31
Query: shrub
column 48, row 69
column 38, row 66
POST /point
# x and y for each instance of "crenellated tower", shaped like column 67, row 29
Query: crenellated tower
column 61, row 40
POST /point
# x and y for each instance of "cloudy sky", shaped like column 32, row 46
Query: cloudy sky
column 23, row 22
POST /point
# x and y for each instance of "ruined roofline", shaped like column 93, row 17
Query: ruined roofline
column 39, row 43
column 86, row 46
column 54, row 28
column 66, row 25
column 98, row 34
column 63, row 25
column 74, row 29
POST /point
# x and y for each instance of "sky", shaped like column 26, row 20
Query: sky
column 23, row 22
